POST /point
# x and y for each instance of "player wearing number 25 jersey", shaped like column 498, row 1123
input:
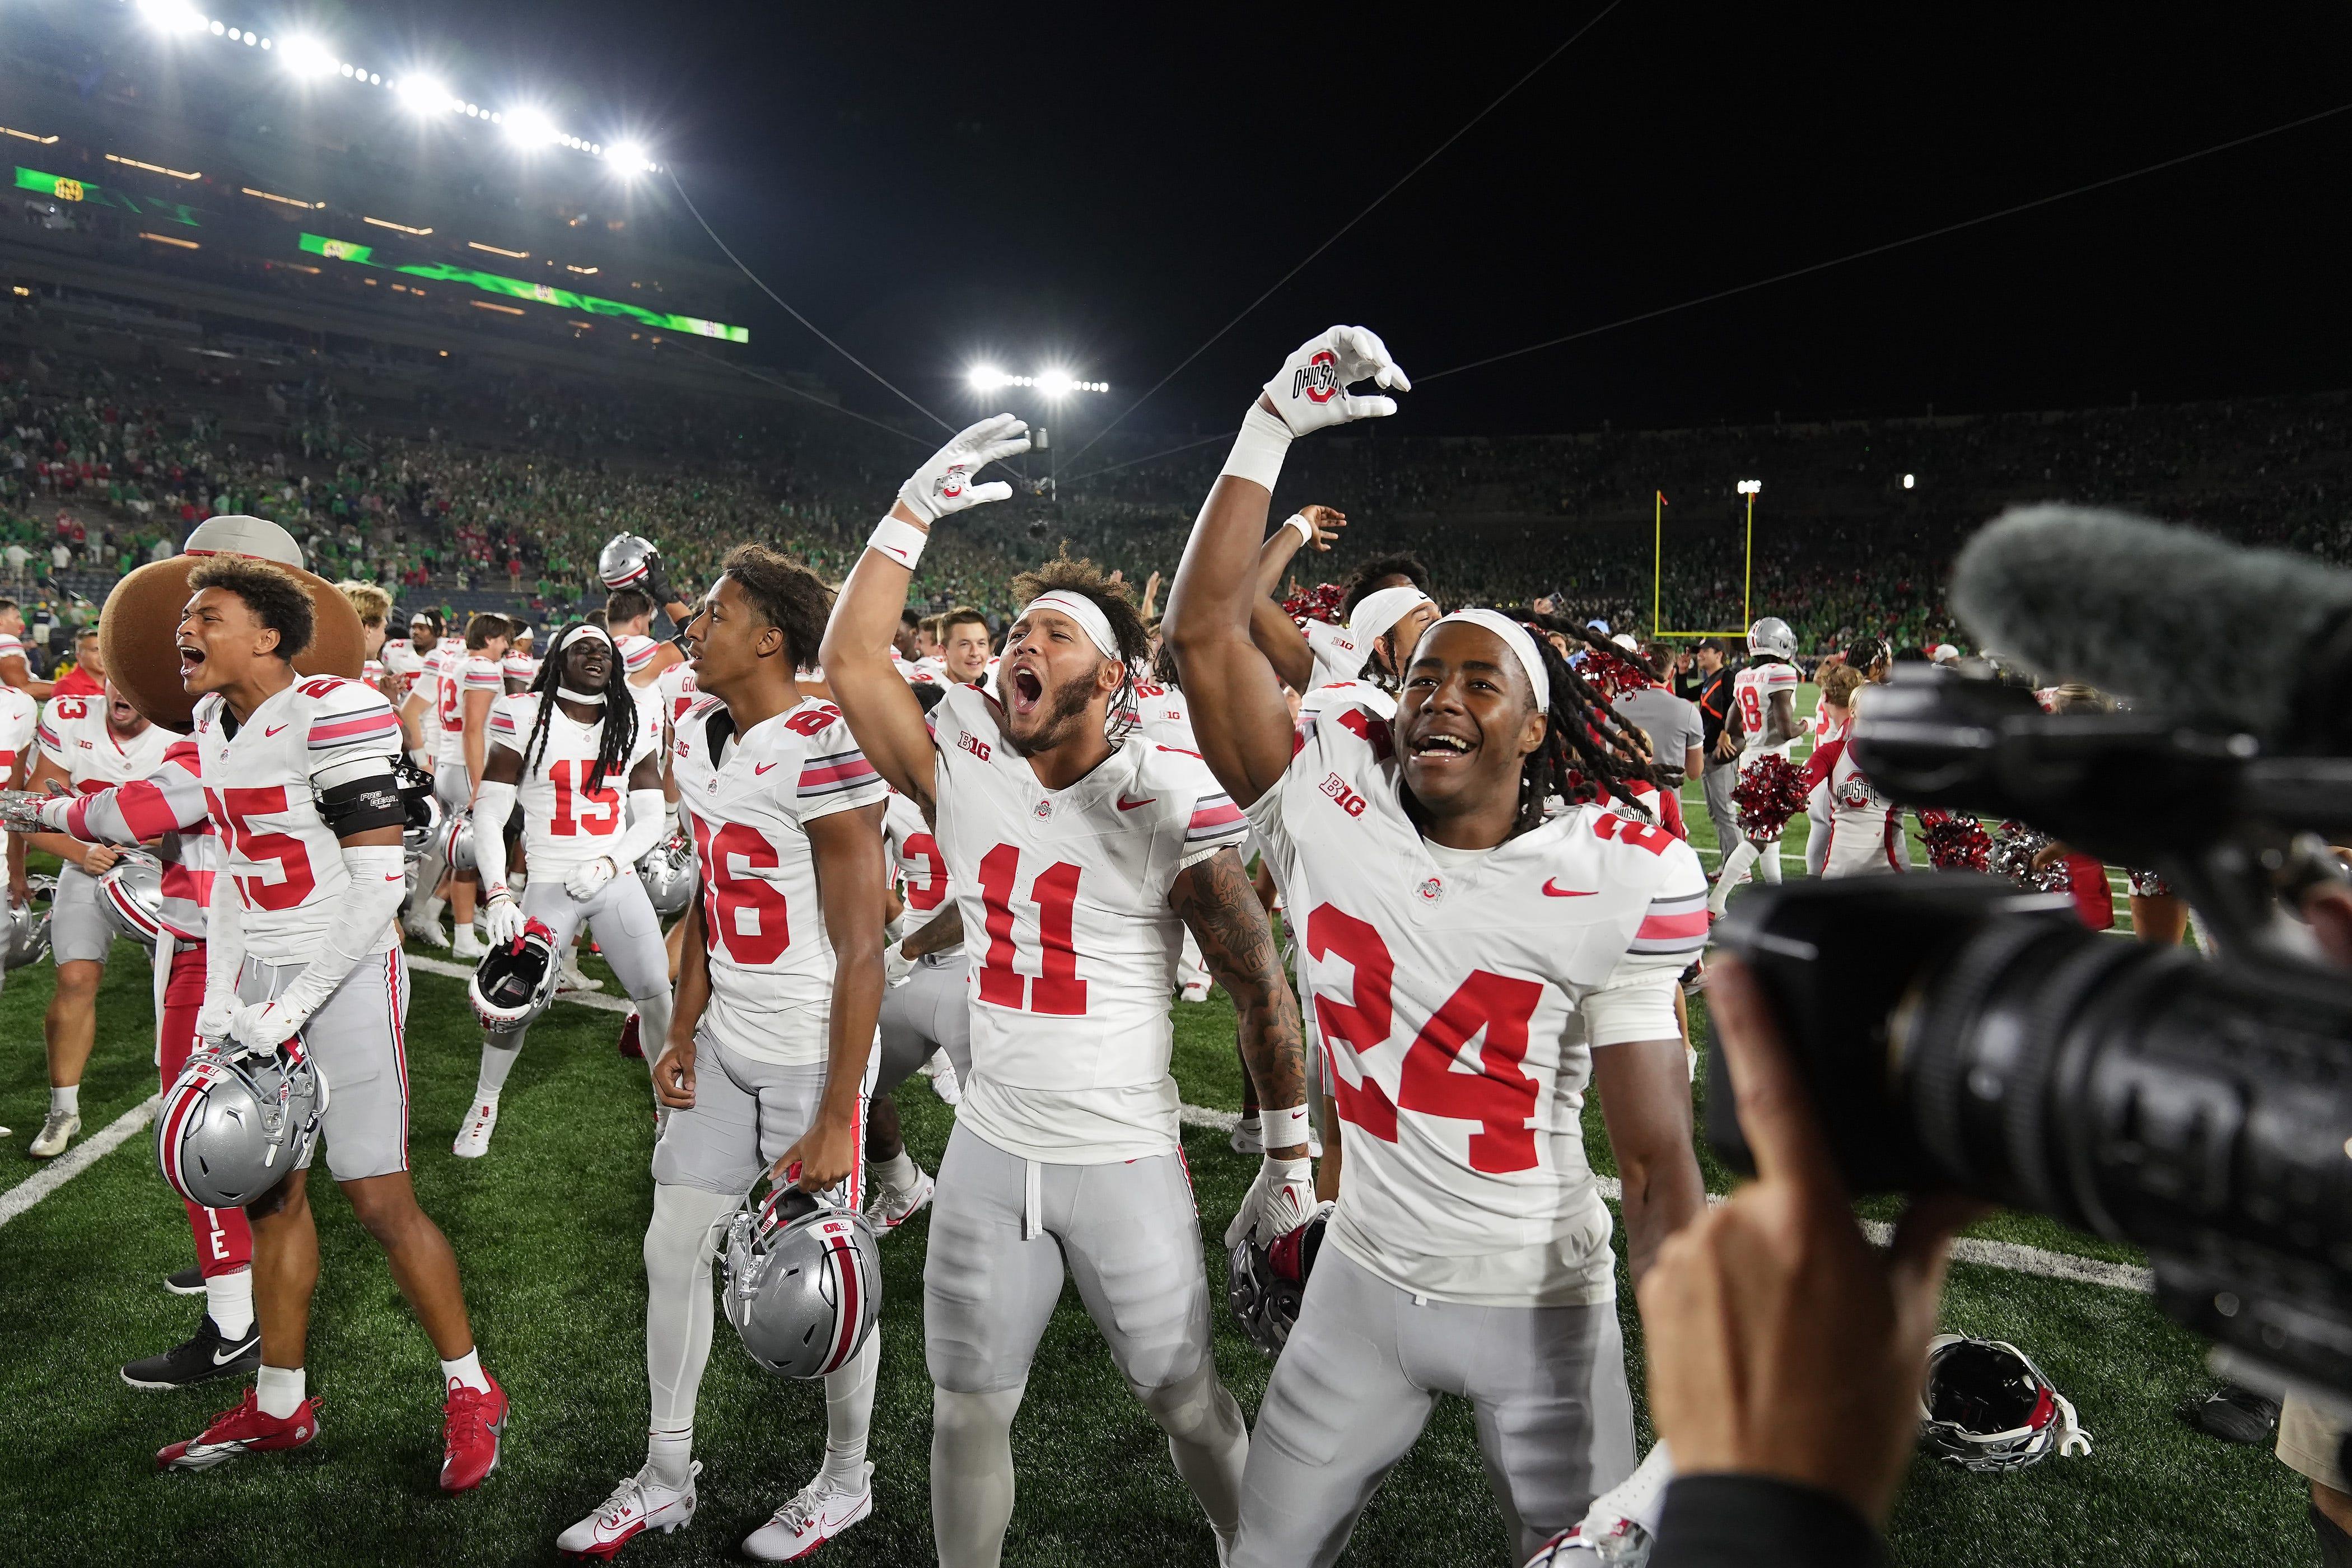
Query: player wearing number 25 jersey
column 1474, row 961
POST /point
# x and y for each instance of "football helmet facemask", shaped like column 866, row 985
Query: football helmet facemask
column 1986, row 1407
column 1265, row 1283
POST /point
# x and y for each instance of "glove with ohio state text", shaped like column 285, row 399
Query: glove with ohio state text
column 944, row 484
column 1281, row 1199
column 588, row 877
column 1311, row 389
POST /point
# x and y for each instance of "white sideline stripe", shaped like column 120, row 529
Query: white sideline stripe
column 76, row 1160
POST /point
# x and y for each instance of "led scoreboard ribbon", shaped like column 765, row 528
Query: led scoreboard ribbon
column 517, row 289
column 89, row 192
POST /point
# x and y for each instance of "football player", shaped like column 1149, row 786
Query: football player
column 629, row 617
column 1477, row 958
column 298, row 776
column 770, row 1047
column 924, row 1012
column 567, row 751
column 15, row 665
column 1077, row 852
column 89, row 744
column 373, row 608
column 469, row 684
column 520, row 667
column 404, row 658
column 1762, row 723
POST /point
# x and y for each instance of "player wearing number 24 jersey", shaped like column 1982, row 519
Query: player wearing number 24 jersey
column 1473, row 960
column 1078, row 852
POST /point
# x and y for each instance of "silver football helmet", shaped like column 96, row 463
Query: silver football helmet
column 1264, row 1285
column 516, row 983
column 131, row 896
column 456, row 840
column 25, row 937
column 1771, row 634
column 802, row 1277
column 667, row 872
column 421, row 808
column 1986, row 1407
column 626, row 560
column 229, row 1129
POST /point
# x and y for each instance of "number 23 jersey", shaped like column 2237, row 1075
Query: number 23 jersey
column 1459, row 996
column 1072, row 941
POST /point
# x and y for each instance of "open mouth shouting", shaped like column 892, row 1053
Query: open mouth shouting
column 192, row 659
column 1025, row 691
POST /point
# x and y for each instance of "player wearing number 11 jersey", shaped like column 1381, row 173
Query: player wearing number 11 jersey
column 1474, row 963
column 1077, row 852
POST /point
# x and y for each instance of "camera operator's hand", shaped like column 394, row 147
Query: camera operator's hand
column 1781, row 1344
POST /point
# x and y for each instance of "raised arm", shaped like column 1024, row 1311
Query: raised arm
column 1276, row 637
column 1239, row 714
column 880, row 706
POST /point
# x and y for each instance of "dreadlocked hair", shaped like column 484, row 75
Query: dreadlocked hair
column 613, row 738
column 787, row 596
column 1086, row 579
column 1588, row 752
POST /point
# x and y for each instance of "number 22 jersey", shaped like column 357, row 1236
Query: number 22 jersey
column 1459, row 996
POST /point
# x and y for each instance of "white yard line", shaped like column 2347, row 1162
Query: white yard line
column 76, row 1160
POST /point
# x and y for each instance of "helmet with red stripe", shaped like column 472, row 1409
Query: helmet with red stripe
column 131, row 896
column 667, row 872
column 24, row 928
column 515, row 983
column 802, row 1277
column 1986, row 1407
column 626, row 560
column 1265, row 1284
column 229, row 1129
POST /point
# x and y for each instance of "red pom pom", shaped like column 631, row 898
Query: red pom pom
column 1769, row 791
column 1955, row 843
column 1607, row 674
column 1320, row 603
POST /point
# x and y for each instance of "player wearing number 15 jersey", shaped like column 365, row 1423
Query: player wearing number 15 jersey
column 1077, row 853
column 1474, row 962
column 300, row 955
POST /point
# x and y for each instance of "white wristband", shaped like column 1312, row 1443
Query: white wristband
column 1258, row 450
column 900, row 540
column 1282, row 1128
column 1297, row 520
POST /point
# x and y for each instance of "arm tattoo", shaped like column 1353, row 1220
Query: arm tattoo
column 943, row 929
column 1216, row 900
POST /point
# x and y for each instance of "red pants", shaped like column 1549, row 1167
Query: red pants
column 223, row 1239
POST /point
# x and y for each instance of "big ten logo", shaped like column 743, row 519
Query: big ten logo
column 973, row 744
column 1349, row 801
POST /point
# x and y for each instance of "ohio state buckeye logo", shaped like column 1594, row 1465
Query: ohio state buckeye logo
column 1318, row 379
column 1045, row 809
column 951, row 484
column 1431, row 890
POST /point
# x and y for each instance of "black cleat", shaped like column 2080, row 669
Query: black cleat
column 188, row 1281
column 208, row 1355
column 2233, row 1415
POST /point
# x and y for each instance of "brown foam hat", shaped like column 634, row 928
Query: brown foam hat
column 139, row 630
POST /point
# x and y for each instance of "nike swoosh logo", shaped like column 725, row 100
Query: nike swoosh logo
column 399, row 878
column 1127, row 805
column 1552, row 892
column 891, row 550
column 267, row 733
column 761, row 768
column 228, row 1353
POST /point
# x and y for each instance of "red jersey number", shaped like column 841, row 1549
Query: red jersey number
column 1752, row 710
column 232, row 809
column 1057, row 989
column 594, row 812
column 747, row 915
column 925, row 895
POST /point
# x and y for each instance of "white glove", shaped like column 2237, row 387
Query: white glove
column 1281, row 1199
column 29, row 811
column 217, row 1021
column 502, row 919
column 944, row 484
column 1311, row 390
column 266, row 1025
column 896, row 964
column 588, row 878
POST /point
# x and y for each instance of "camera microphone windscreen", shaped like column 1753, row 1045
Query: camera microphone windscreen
column 2180, row 622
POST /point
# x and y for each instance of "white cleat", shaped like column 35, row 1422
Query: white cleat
column 57, row 1130
column 638, row 1504
column 894, row 1206
column 569, row 978
column 474, row 1138
column 809, row 1520
column 946, row 1084
column 466, row 944
column 1249, row 1136
column 429, row 932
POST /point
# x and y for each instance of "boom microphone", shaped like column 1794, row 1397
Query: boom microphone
column 2181, row 623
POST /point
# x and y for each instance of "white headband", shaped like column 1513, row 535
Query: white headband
column 1515, row 638
column 1079, row 608
column 1376, row 613
column 591, row 629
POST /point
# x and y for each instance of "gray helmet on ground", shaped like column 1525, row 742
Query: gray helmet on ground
column 25, row 935
column 131, row 896
column 1986, row 1407
column 802, row 1279
column 228, row 1131
column 1771, row 634
column 667, row 872
column 516, row 983
column 626, row 560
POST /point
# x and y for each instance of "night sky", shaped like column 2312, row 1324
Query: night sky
column 1102, row 188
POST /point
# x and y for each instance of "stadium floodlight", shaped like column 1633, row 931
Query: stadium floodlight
column 529, row 128
column 1750, row 486
column 988, row 378
column 1906, row 481
column 307, row 55
column 173, row 16
column 630, row 157
column 1056, row 383
column 423, row 94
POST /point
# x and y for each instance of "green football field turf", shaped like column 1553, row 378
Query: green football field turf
column 548, row 1229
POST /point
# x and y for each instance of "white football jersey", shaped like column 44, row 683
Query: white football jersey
column 520, row 667
column 565, row 820
column 1339, row 654
column 636, row 652
column 428, row 681
column 13, row 646
column 401, row 658
column 20, row 716
column 74, row 735
column 747, row 800
column 1339, row 694
column 917, row 866
column 1162, row 718
column 258, row 780
column 1752, row 690
column 1459, row 996
column 678, row 691
column 1073, row 946
column 460, row 673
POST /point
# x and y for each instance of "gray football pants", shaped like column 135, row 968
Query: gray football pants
column 1717, row 783
column 933, row 1011
column 1355, row 1387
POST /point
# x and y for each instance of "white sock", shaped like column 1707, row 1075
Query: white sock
column 278, row 1390
column 848, row 1415
column 67, row 1098
column 670, row 1456
column 466, row 1372
column 500, row 1054
column 899, row 1171
column 1735, row 866
column 228, row 1300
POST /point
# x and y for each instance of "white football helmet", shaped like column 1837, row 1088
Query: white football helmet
column 627, row 560
column 667, row 871
column 515, row 982
column 1986, row 1407
column 131, row 896
column 229, row 1129
column 802, row 1277
column 1771, row 635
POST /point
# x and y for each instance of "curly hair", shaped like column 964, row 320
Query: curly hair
column 1399, row 565
column 1086, row 579
column 277, row 599
column 787, row 594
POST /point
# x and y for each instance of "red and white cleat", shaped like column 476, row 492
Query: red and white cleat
column 472, row 1422
column 809, row 1520
column 632, row 1044
column 474, row 1138
column 638, row 1504
column 894, row 1206
column 244, row 1430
